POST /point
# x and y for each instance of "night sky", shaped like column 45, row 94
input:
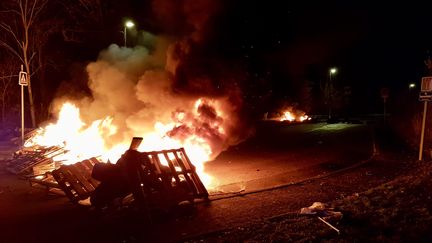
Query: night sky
column 374, row 45
column 278, row 46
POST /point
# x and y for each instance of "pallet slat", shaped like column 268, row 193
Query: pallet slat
column 75, row 180
column 174, row 187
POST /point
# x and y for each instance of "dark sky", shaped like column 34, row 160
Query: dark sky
column 373, row 44
column 369, row 41
column 285, row 43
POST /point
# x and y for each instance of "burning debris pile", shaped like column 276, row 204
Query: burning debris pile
column 129, row 98
column 132, row 94
column 155, row 179
column 69, row 140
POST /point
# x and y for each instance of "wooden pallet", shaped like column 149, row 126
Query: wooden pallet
column 157, row 178
column 175, row 175
column 75, row 180
column 27, row 159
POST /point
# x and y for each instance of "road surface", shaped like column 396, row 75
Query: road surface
column 276, row 155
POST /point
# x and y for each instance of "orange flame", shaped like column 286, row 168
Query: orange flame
column 83, row 141
column 291, row 116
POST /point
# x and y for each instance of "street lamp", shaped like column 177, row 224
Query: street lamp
column 129, row 24
column 332, row 71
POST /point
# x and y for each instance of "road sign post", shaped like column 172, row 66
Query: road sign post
column 22, row 81
column 425, row 96
column 422, row 131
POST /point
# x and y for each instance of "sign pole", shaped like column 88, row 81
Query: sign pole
column 22, row 81
column 426, row 96
column 22, row 114
column 22, row 110
column 422, row 131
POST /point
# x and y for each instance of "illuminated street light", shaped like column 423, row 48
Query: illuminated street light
column 129, row 24
column 412, row 85
column 332, row 71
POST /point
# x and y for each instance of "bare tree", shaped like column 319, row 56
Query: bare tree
column 20, row 27
column 79, row 28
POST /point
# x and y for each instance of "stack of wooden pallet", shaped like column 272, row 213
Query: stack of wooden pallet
column 156, row 179
column 25, row 159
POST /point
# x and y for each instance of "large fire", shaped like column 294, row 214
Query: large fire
column 83, row 141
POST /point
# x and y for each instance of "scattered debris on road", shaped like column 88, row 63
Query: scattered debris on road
column 323, row 213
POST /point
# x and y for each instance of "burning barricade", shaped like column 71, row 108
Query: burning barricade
column 74, row 156
column 155, row 179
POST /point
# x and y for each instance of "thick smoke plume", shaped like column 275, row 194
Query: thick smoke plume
column 133, row 87
column 178, row 83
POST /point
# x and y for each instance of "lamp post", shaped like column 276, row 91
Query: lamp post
column 332, row 71
column 411, row 88
column 128, row 24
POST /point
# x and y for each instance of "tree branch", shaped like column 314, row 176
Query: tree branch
column 10, row 11
column 11, row 32
column 35, row 71
column 30, row 20
column 8, row 47
column 23, row 10
column 39, row 8
column 31, row 58
column 8, row 76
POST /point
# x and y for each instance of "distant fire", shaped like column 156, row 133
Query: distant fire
column 291, row 116
column 191, row 129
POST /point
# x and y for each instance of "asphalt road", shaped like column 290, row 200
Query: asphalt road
column 276, row 155
column 280, row 153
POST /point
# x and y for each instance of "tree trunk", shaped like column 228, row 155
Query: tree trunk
column 27, row 68
column 32, row 108
column 29, row 89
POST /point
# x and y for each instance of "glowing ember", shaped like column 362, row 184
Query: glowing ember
column 192, row 130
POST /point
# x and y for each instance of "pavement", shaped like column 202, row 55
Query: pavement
column 279, row 154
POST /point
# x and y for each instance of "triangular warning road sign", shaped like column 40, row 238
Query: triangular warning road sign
column 23, row 78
